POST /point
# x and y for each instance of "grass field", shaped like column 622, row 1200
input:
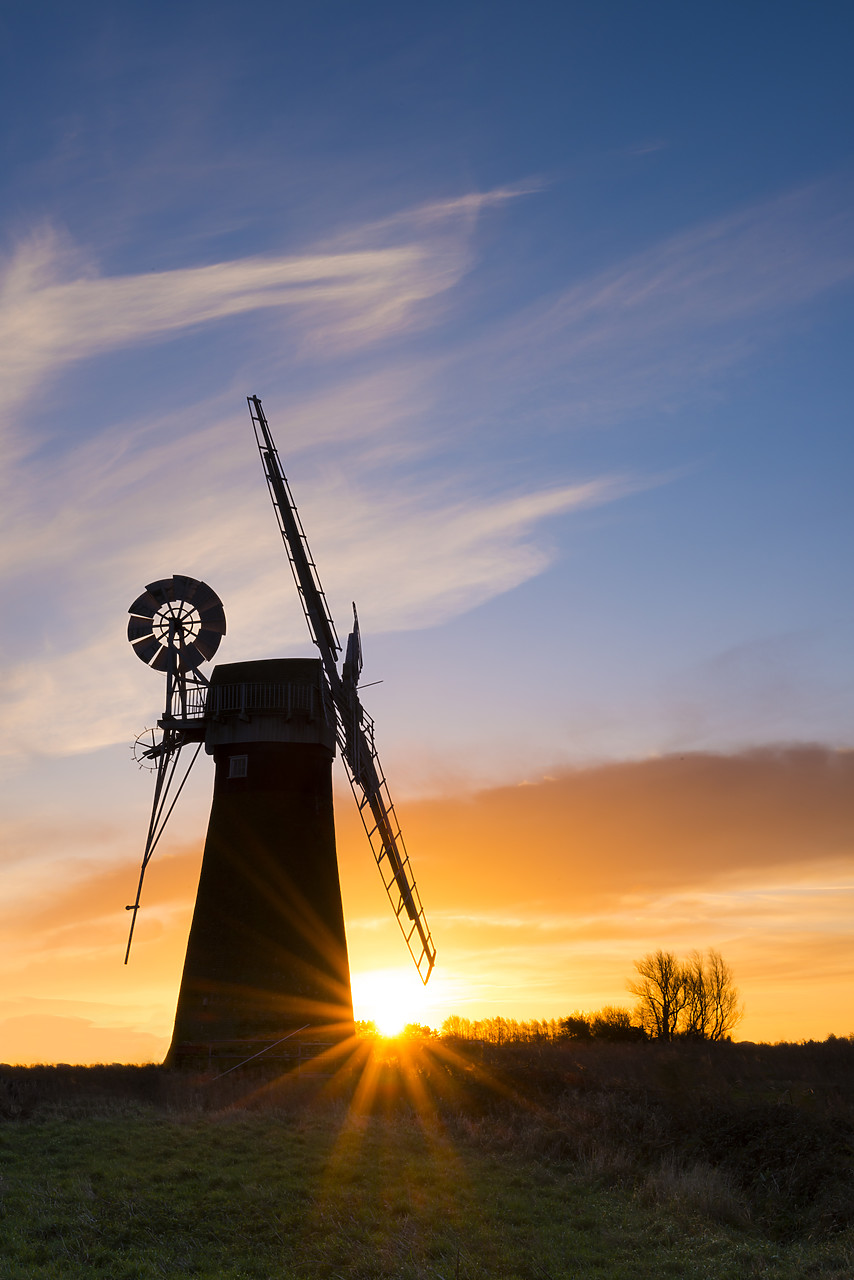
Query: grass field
column 599, row 1161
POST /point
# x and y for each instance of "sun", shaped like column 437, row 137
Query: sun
column 390, row 998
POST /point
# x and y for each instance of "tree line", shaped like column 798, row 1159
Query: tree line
column 610, row 1023
column 694, row 999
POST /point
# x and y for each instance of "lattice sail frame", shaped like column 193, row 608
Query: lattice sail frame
column 354, row 727
column 386, row 840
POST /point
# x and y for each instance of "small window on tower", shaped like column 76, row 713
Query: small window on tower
column 237, row 766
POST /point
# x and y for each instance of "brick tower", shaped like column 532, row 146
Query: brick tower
column 267, row 953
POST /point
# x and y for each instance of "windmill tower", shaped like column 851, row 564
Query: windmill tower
column 267, row 959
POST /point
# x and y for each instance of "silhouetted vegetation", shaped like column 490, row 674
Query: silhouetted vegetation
column 695, row 998
column 609, row 1023
column 759, row 1134
column 749, row 1148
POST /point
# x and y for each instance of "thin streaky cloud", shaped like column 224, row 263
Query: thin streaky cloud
column 416, row 563
column 659, row 327
column 55, row 309
column 442, row 212
column 47, row 322
column 620, row 336
column 780, row 252
column 444, row 558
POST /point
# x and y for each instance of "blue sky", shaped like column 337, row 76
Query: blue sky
column 549, row 308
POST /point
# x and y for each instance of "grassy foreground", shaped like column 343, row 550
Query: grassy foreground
column 428, row 1162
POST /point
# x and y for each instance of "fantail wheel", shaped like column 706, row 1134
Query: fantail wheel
column 178, row 613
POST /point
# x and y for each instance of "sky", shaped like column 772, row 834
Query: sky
column 549, row 308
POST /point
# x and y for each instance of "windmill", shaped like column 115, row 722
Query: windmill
column 267, row 954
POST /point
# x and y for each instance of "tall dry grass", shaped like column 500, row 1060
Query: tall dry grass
column 734, row 1133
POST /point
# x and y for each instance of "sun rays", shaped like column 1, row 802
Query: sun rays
column 391, row 999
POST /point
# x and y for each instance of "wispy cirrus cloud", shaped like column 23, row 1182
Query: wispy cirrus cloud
column 117, row 506
column 419, row 558
column 47, row 322
column 428, row 550
column 661, row 326
column 56, row 309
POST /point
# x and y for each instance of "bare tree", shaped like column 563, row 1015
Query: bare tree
column 661, row 992
column 696, row 1015
column 698, row 998
column 725, row 1012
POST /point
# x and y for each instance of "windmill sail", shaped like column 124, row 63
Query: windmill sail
column 354, row 727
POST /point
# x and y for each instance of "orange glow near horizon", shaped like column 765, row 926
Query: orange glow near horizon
column 540, row 898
